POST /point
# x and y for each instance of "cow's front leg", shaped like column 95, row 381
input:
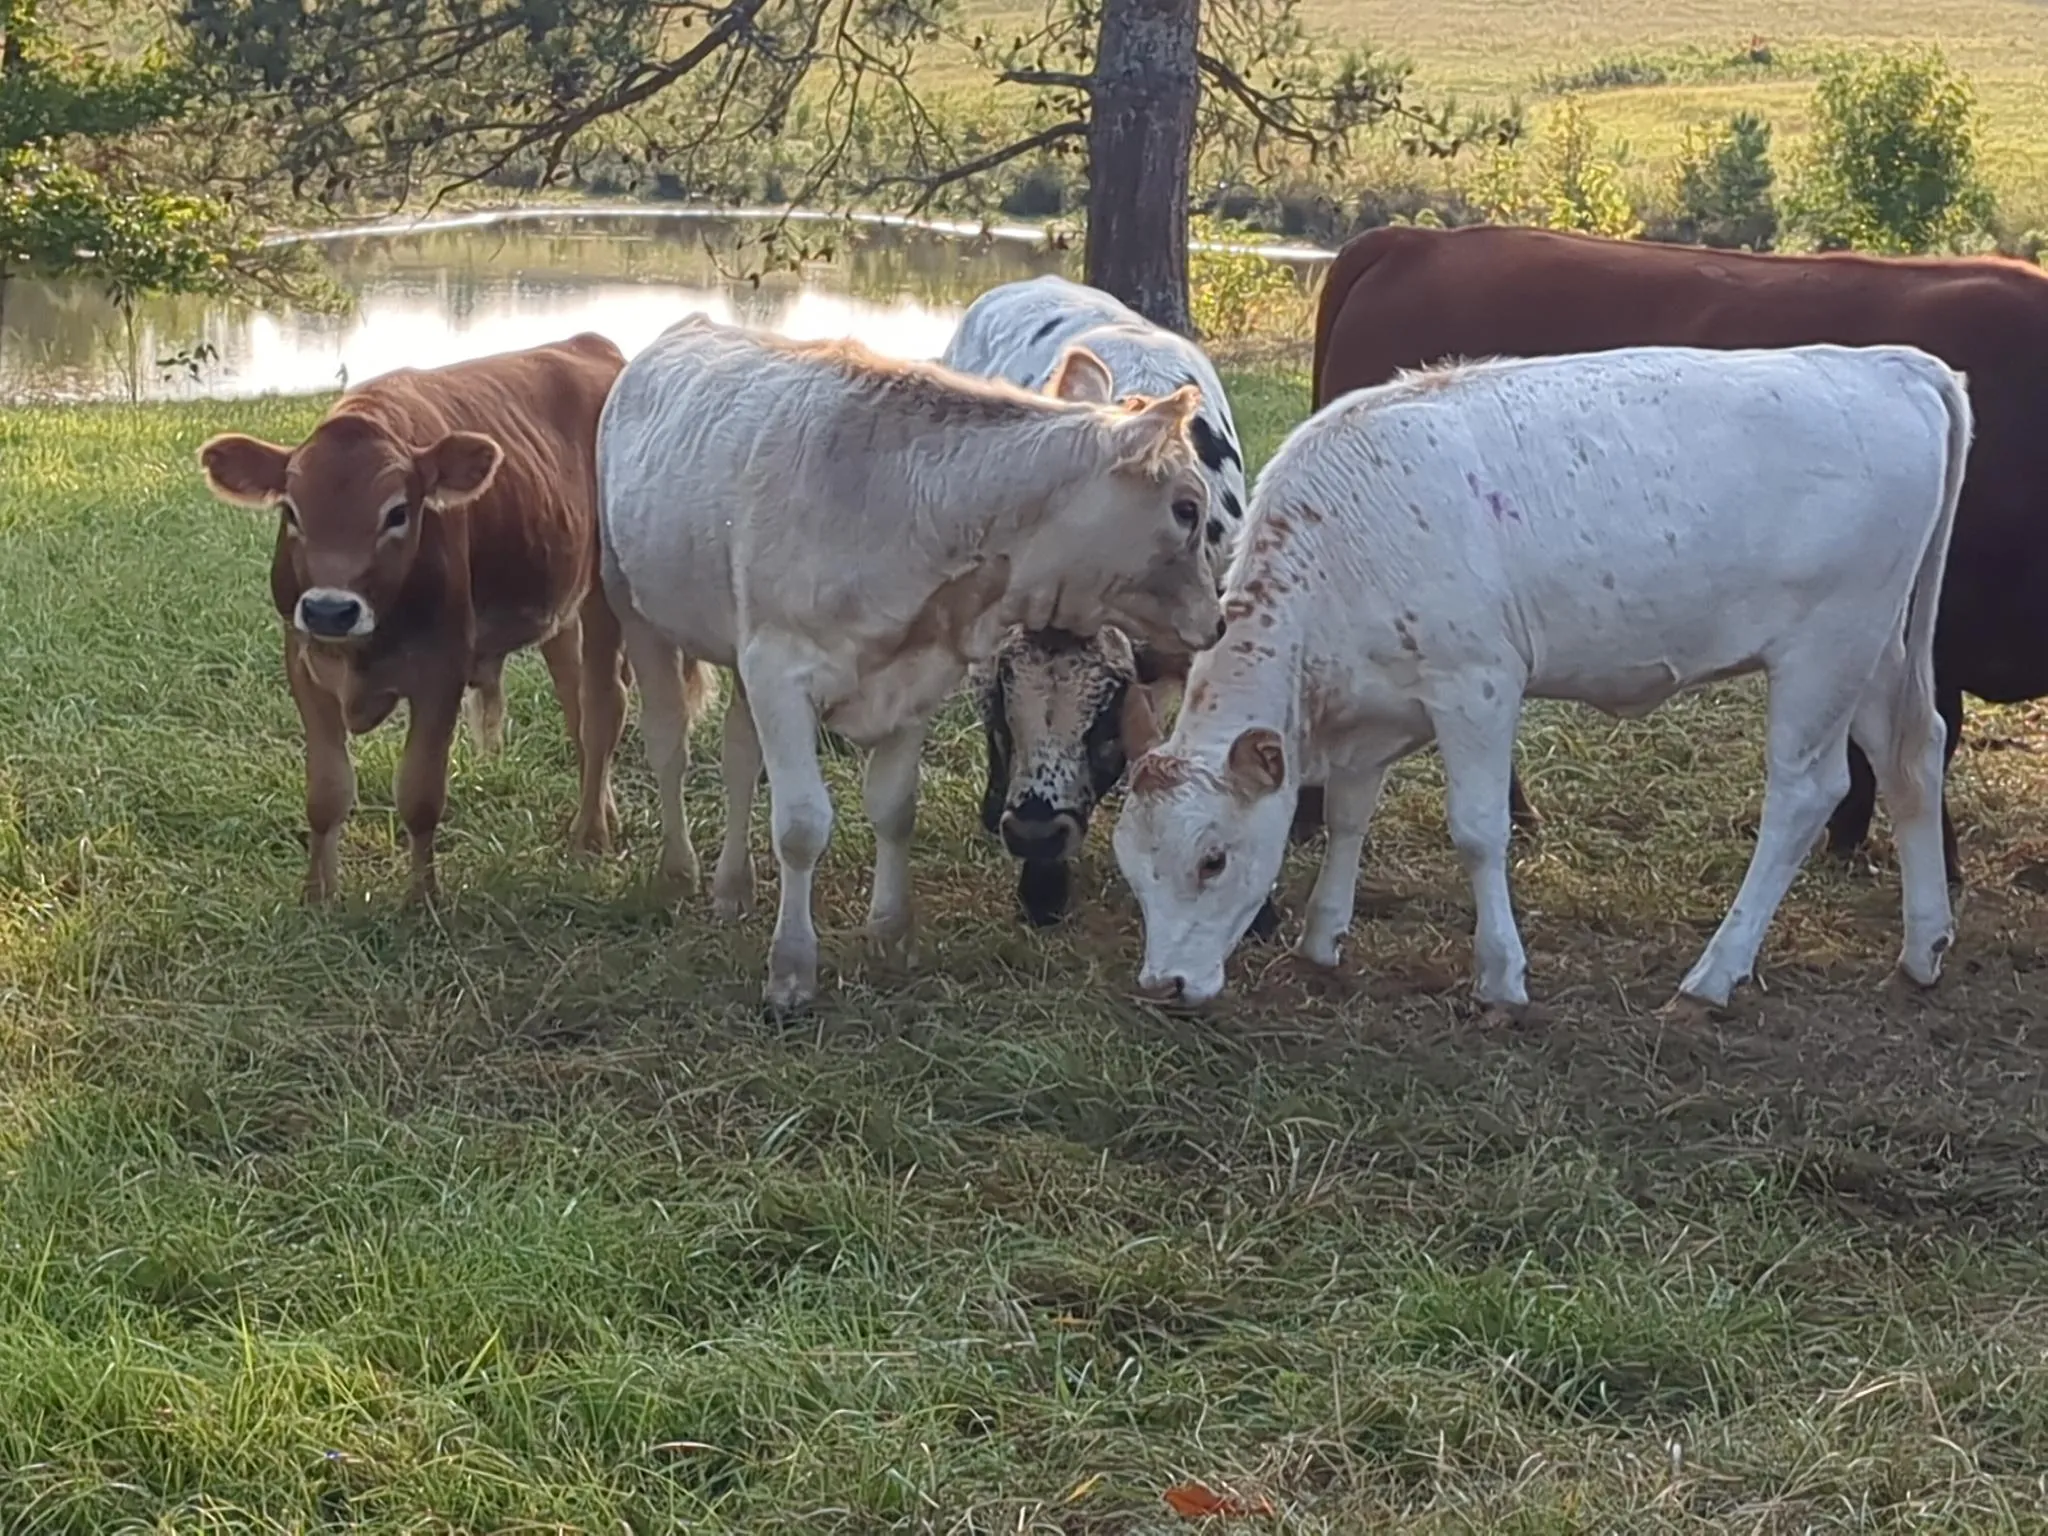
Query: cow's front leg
column 423, row 776
column 1349, row 800
column 330, row 776
column 800, row 813
column 890, row 798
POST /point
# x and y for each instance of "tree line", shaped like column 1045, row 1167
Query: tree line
column 155, row 167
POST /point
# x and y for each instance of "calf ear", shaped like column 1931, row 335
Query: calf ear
column 1137, row 722
column 1081, row 376
column 995, row 724
column 243, row 471
column 1156, row 772
column 1258, row 763
column 459, row 468
column 1144, row 436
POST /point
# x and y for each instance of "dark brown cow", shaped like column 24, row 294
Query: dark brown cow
column 435, row 521
column 1402, row 298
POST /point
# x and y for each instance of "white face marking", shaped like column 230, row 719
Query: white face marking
column 1200, row 861
column 333, row 613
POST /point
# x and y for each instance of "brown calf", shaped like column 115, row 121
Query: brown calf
column 435, row 521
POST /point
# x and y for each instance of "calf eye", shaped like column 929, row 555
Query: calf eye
column 1186, row 513
column 1212, row 866
column 394, row 518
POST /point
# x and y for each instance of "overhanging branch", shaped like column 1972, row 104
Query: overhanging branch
column 931, row 184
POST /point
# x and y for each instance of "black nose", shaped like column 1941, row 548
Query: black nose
column 1168, row 989
column 332, row 616
column 1046, row 835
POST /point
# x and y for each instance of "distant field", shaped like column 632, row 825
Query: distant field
column 515, row 1216
column 1489, row 50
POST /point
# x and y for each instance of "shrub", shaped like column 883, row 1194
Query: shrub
column 1892, row 164
column 1566, row 182
column 1723, row 185
column 1236, row 294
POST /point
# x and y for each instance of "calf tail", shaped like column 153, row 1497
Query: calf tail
column 1924, row 600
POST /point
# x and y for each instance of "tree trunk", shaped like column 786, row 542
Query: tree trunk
column 1141, row 136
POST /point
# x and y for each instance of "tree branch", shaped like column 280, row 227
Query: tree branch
column 558, row 133
column 929, row 186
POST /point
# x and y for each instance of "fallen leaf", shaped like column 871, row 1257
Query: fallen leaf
column 1194, row 1501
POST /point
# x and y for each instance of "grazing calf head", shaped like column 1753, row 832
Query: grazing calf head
column 1133, row 535
column 1063, row 715
column 1201, row 843
column 353, row 501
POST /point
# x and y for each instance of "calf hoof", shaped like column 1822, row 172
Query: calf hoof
column 318, row 890
column 590, row 839
column 1503, row 1015
column 893, row 940
column 1265, row 924
column 1044, row 888
column 1925, row 973
column 788, row 997
column 1686, row 1011
column 1318, row 951
column 732, row 896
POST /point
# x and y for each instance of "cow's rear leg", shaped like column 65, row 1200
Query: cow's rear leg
column 1905, row 742
column 800, row 812
column 483, row 709
column 1806, row 774
column 739, row 761
column 890, row 799
column 1349, row 801
column 1475, row 735
column 1850, row 823
column 665, row 727
column 602, row 722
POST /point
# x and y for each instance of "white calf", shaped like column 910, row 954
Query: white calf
column 1018, row 331
column 846, row 534
column 1612, row 528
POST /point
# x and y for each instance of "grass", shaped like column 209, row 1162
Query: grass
column 517, row 1217
column 1651, row 67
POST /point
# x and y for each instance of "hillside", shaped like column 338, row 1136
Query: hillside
column 1492, row 50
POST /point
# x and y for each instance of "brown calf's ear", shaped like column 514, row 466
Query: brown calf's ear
column 1082, row 377
column 243, row 471
column 1137, row 723
column 459, row 468
column 1258, row 762
column 1144, row 436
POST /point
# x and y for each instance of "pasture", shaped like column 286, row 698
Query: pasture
column 515, row 1215
column 1647, row 70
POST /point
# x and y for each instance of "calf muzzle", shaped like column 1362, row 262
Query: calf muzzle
column 332, row 615
column 1040, row 834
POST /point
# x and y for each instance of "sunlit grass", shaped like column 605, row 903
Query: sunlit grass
column 518, row 1216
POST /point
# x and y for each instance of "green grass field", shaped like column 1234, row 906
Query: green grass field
column 517, row 1216
column 1491, row 50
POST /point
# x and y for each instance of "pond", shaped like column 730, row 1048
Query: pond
column 441, row 290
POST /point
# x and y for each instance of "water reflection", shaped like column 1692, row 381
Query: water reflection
column 431, row 297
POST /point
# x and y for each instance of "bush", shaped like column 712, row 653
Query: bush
column 1236, row 294
column 1723, row 186
column 1566, row 182
column 1892, row 164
